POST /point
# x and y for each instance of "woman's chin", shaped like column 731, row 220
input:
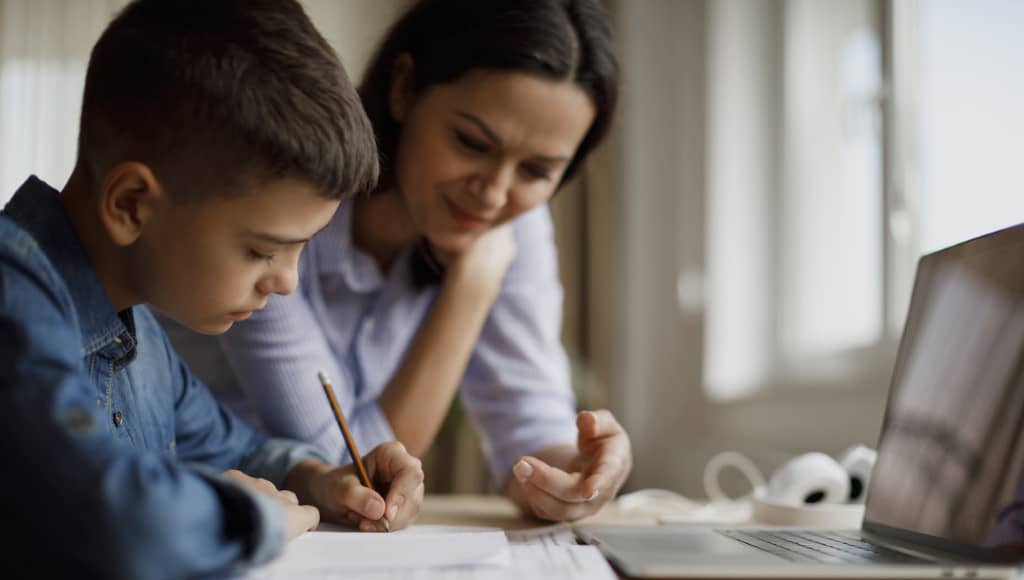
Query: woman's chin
column 452, row 241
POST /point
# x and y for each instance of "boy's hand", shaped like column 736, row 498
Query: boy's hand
column 395, row 474
column 594, row 472
column 298, row 518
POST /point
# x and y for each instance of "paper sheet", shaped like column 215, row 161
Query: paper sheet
column 546, row 552
column 329, row 551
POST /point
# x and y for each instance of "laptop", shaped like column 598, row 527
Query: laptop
column 947, row 494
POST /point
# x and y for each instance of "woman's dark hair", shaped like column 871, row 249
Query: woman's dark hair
column 558, row 39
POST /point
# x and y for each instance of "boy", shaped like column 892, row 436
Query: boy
column 216, row 137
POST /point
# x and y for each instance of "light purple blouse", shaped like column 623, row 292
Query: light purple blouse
column 356, row 323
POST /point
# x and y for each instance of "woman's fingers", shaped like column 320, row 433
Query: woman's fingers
column 553, row 481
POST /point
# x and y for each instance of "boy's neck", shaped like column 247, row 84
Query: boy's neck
column 79, row 203
column 381, row 226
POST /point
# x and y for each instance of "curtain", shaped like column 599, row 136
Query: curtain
column 44, row 49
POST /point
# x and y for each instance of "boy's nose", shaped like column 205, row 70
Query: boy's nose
column 287, row 280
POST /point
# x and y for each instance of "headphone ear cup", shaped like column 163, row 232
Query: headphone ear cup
column 809, row 479
column 858, row 461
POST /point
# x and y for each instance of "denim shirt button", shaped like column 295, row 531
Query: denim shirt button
column 117, row 339
column 118, row 418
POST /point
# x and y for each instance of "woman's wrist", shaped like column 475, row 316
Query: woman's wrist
column 469, row 285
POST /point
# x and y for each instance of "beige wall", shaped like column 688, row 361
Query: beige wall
column 354, row 27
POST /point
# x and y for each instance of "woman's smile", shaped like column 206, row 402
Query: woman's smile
column 464, row 219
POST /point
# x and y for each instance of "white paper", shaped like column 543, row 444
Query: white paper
column 323, row 553
column 546, row 552
column 555, row 535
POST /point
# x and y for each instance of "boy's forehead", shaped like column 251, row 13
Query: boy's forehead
column 287, row 209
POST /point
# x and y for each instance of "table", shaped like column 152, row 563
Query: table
column 499, row 512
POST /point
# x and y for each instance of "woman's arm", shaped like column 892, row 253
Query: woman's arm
column 420, row 392
column 517, row 388
column 276, row 355
column 517, row 384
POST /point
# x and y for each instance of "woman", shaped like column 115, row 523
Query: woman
column 445, row 279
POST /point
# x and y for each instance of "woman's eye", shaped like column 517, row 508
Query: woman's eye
column 471, row 144
column 537, row 172
column 261, row 256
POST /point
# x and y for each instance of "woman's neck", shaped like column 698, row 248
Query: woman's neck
column 381, row 226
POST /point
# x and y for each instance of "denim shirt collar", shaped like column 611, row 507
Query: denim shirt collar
column 37, row 208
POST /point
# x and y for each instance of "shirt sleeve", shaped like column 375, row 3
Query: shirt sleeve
column 276, row 355
column 208, row 433
column 97, row 506
column 516, row 386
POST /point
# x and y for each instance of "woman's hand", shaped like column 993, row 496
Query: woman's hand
column 484, row 262
column 593, row 473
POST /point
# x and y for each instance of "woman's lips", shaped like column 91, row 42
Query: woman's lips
column 465, row 220
column 239, row 316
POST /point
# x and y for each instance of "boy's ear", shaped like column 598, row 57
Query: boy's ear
column 402, row 91
column 129, row 198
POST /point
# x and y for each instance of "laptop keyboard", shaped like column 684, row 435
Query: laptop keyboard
column 821, row 547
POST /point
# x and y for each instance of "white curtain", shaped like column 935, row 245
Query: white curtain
column 44, row 49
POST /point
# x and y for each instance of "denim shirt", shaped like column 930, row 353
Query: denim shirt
column 113, row 452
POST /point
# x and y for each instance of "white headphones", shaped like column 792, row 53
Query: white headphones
column 806, row 480
column 809, row 490
column 817, row 479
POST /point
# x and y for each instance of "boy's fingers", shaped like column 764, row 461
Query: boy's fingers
column 366, row 525
column 300, row 519
column 362, row 500
column 398, row 459
column 563, row 486
column 311, row 516
column 405, row 496
column 402, row 474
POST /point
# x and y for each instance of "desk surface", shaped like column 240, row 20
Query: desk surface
column 499, row 512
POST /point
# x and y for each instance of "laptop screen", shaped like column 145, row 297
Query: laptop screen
column 951, row 453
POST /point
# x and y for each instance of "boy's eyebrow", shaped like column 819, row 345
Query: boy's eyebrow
column 493, row 138
column 282, row 241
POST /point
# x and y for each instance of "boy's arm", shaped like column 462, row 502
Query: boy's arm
column 89, row 504
column 211, row 434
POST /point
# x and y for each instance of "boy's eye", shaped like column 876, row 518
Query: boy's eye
column 470, row 143
column 261, row 256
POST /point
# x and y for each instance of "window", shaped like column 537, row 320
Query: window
column 44, row 50
column 971, row 118
column 846, row 138
column 795, row 263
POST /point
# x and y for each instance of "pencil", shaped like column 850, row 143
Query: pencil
column 348, row 439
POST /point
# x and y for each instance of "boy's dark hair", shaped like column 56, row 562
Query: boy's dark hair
column 558, row 39
column 216, row 95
